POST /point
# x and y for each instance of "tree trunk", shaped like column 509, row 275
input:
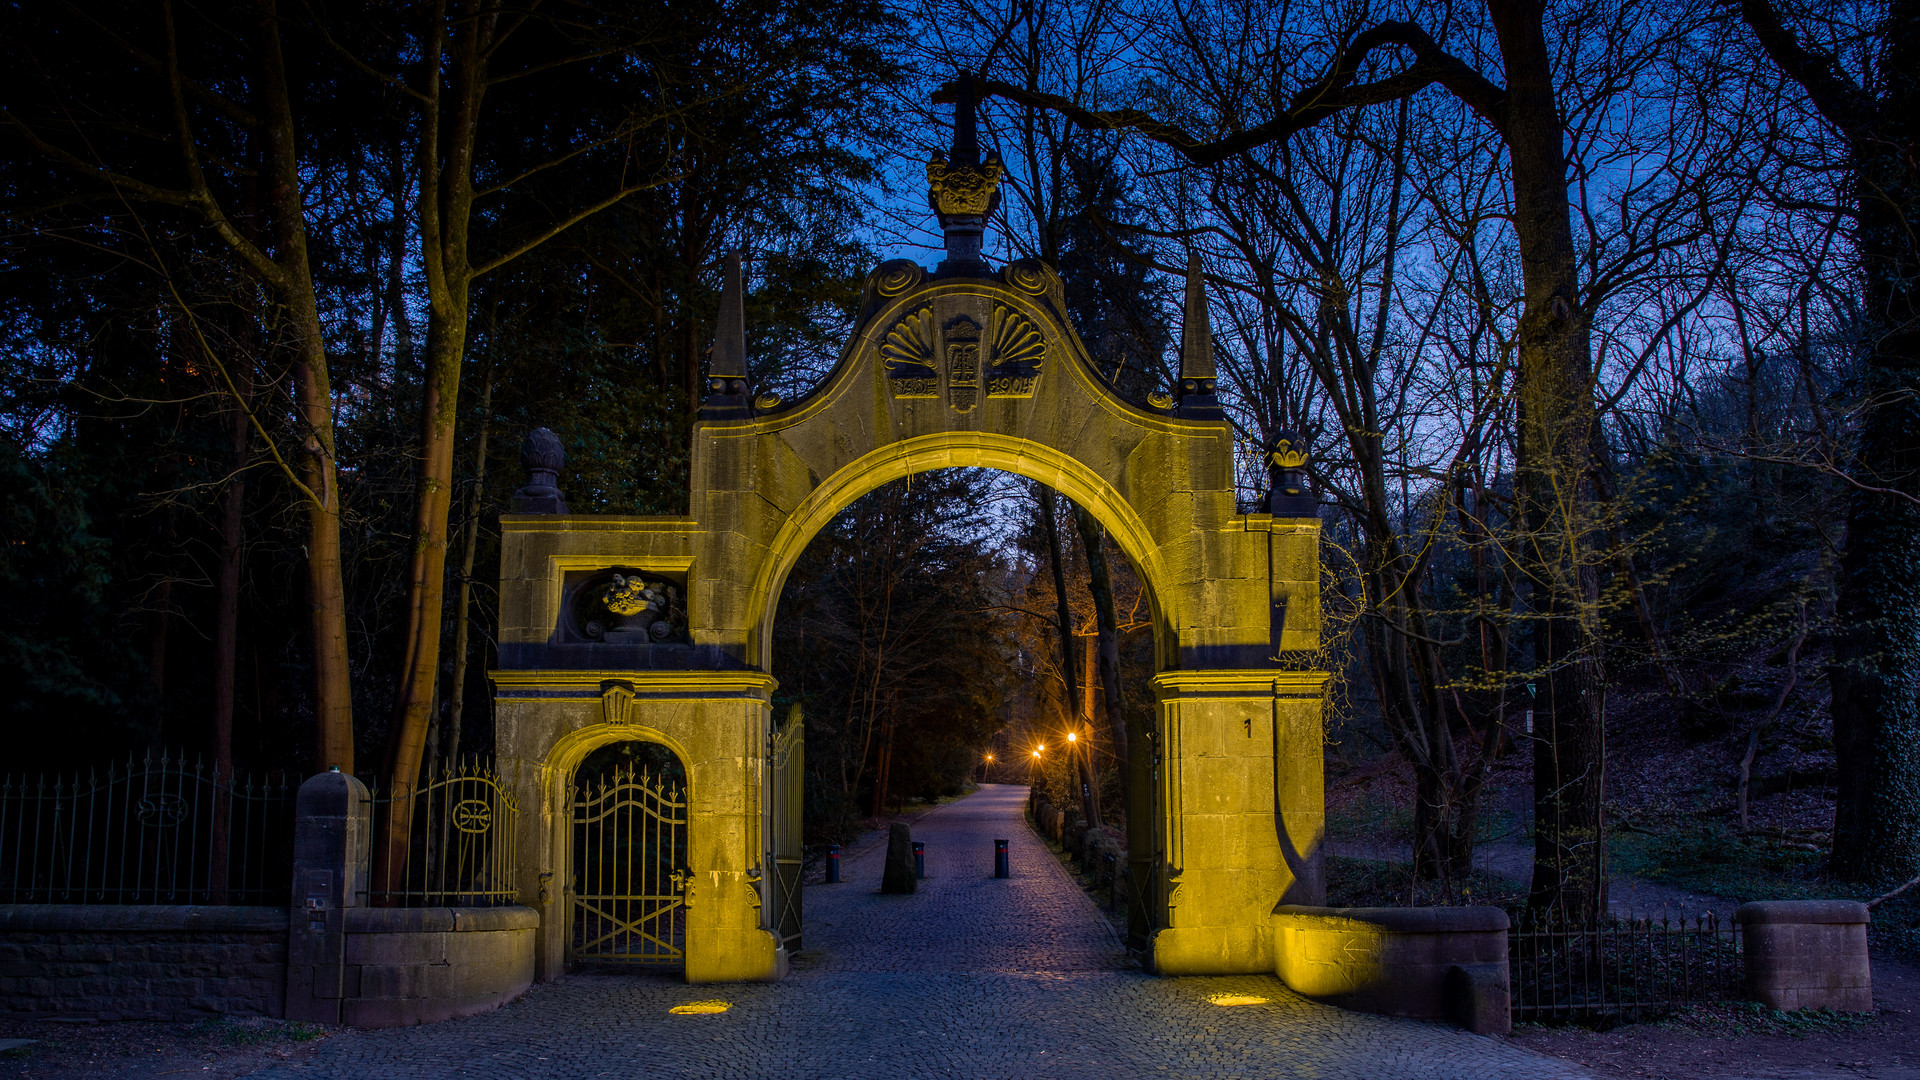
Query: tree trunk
column 1131, row 748
column 1069, row 652
column 226, row 633
column 226, row 615
column 463, row 595
column 447, row 140
column 1876, row 652
column 313, row 394
column 1554, row 392
column 1876, row 664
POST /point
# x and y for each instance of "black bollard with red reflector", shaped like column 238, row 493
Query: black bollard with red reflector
column 833, row 864
column 1000, row 867
column 920, row 859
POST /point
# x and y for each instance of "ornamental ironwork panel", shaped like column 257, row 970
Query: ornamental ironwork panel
column 155, row 830
column 629, row 868
column 460, row 841
column 788, row 805
column 1612, row 969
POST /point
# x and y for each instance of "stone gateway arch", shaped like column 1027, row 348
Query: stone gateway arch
column 965, row 365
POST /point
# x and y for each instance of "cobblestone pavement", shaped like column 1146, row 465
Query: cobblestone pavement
column 971, row 977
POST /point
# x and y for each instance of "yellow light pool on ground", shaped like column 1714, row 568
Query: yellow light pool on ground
column 701, row 1008
column 1236, row 999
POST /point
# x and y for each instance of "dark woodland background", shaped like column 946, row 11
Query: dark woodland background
column 1738, row 266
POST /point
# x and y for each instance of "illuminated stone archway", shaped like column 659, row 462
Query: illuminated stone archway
column 963, row 366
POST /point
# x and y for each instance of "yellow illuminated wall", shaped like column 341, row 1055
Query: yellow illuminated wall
column 1240, row 798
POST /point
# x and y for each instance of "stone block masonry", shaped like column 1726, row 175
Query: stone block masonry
column 416, row 966
column 1425, row 963
column 335, row 963
column 140, row 962
column 1808, row 954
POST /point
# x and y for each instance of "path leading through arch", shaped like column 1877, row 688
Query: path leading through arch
column 970, row 978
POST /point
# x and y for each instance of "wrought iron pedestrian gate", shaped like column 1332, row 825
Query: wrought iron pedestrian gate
column 789, row 776
column 629, row 868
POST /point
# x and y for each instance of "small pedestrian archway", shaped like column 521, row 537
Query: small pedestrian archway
column 659, row 628
column 627, row 859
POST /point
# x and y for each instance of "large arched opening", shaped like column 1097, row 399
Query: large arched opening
column 986, row 450
column 920, row 633
column 967, row 366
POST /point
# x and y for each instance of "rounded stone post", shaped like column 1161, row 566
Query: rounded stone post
column 331, row 833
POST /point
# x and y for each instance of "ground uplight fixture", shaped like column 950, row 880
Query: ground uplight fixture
column 1071, row 737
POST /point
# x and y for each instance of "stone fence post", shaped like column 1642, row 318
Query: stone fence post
column 331, row 834
column 1807, row 954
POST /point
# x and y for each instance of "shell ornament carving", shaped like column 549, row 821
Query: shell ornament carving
column 908, row 354
column 1018, row 350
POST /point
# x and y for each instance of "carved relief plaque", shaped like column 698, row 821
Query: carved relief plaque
column 908, row 356
column 963, row 363
column 1017, row 353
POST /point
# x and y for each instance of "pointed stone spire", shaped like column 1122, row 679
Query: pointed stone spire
column 727, row 363
column 1194, row 397
column 963, row 188
column 730, row 330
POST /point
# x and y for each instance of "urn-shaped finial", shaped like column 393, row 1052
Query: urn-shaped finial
column 1287, row 494
column 543, row 456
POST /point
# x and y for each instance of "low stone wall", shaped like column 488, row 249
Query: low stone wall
column 141, row 963
column 415, row 966
column 1430, row 963
column 1807, row 954
column 1048, row 820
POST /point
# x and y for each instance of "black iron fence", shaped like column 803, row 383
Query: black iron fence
column 1620, row 969
column 156, row 830
column 458, row 852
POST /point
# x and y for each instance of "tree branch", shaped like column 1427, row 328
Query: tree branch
column 1837, row 97
column 1328, row 95
column 567, row 223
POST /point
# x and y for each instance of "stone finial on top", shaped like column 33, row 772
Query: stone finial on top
column 962, row 187
column 1194, row 397
column 1287, row 494
column 727, row 364
column 543, row 457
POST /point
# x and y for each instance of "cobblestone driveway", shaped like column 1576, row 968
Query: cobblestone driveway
column 969, row 978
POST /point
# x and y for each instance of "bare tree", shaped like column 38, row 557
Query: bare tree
column 1876, row 710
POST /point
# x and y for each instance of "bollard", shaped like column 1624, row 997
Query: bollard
column 920, row 859
column 833, row 864
column 1000, row 868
